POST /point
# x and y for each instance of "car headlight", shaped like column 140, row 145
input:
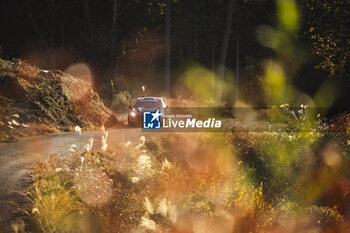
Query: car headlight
column 133, row 114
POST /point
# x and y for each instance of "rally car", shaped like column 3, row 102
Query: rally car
column 144, row 104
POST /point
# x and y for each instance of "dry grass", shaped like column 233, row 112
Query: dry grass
column 180, row 183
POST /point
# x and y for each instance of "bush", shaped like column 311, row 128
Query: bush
column 217, row 182
column 328, row 219
column 122, row 101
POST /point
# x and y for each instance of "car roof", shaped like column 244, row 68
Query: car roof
column 156, row 99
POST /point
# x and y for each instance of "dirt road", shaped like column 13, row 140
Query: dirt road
column 17, row 160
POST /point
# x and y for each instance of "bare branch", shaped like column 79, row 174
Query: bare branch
column 126, row 6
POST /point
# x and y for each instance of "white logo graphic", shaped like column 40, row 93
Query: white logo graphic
column 151, row 120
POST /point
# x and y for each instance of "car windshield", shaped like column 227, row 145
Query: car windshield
column 149, row 104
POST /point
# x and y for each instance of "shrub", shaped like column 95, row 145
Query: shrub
column 327, row 218
column 56, row 208
column 122, row 101
column 217, row 182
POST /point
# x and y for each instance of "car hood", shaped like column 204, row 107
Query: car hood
column 142, row 110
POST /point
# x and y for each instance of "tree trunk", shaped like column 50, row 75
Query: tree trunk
column 114, row 28
column 167, row 46
column 88, row 17
column 237, row 62
column 61, row 63
column 224, row 48
column 39, row 32
column 150, row 64
column 212, row 94
column 52, row 40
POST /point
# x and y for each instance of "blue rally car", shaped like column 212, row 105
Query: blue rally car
column 145, row 104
